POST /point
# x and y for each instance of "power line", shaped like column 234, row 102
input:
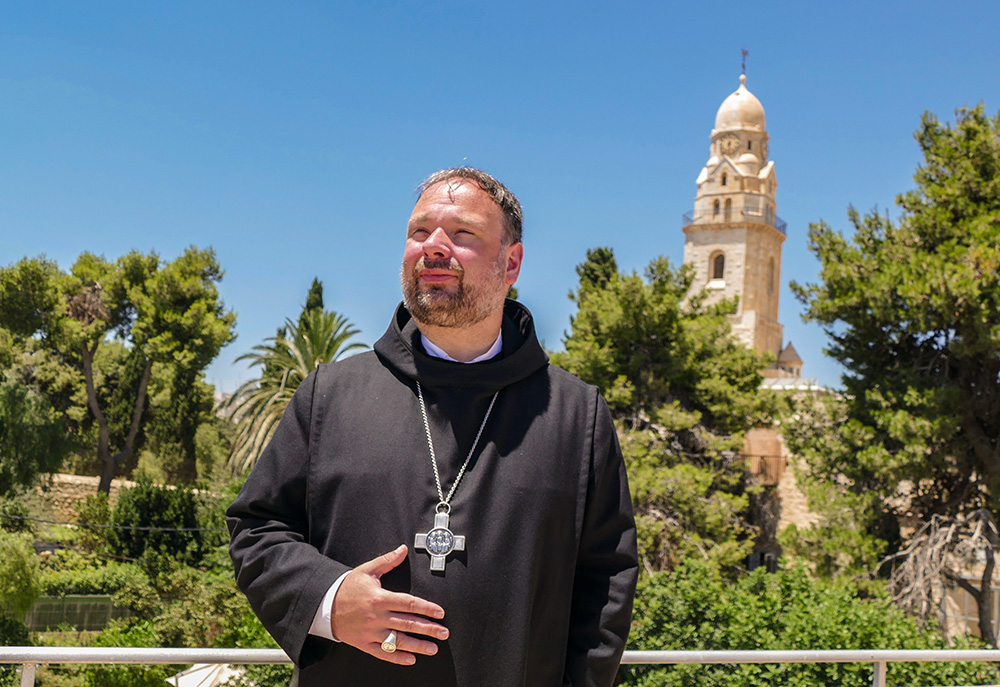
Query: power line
column 114, row 527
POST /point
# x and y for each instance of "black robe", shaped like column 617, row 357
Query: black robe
column 542, row 595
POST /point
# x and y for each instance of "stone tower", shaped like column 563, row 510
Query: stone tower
column 733, row 236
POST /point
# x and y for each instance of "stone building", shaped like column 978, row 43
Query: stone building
column 733, row 236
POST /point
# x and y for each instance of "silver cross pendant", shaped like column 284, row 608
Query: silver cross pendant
column 440, row 541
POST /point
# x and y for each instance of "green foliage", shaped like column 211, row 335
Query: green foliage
column 683, row 391
column 13, row 632
column 27, row 294
column 182, row 403
column 657, row 352
column 129, row 633
column 18, row 515
column 63, row 560
column 32, row 437
column 150, row 312
column 19, row 573
column 842, row 541
column 599, row 270
column 108, row 579
column 56, row 378
column 684, row 509
column 212, row 443
column 263, row 676
column 912, row 309
column 854, row 527
column 314, row 299
column 165, row 510
column 94, row 510
column 696, row 608
column 257, row 405
column 118, row 372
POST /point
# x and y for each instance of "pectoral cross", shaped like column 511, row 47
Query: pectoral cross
column 440, row 541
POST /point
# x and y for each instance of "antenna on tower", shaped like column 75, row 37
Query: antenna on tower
column 743, row 62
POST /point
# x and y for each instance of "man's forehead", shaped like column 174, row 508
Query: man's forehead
column 460, row 193
column 458, row 217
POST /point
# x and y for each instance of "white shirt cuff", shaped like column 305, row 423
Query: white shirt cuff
column 321, row 625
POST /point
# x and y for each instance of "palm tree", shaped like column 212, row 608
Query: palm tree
column 320, row 336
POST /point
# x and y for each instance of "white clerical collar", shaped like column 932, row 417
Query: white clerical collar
column 438, row 352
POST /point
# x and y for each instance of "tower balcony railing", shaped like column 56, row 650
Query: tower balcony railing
column 767, row 469
column 31, row 657
column 747, row 213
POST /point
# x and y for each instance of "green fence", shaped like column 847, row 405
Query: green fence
column 82, row 612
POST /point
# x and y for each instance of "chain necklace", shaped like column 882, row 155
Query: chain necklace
column 441, row 541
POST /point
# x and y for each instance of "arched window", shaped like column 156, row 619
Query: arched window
column 718, row 266
column 749, row 145
column 724, row 179
column 715, row 208
column 729, row 208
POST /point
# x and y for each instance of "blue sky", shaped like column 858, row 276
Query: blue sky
column 290, row 136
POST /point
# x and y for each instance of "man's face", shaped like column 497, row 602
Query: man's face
column 456, row 268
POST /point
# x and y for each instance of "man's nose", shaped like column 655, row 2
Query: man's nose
column 438, row 243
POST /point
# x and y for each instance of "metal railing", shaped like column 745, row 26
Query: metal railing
column 31, row 657
column 748, row 213
column 768, row 468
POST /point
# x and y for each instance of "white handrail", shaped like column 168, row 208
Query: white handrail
column 31, row 656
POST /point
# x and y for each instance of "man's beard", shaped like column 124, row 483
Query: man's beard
column 463, row 307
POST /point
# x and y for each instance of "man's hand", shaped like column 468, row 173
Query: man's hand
column 364, row 614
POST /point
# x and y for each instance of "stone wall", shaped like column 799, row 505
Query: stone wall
column 60, row 495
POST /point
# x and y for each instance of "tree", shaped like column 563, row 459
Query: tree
column 682, row 391
column 912, row 311
column 168, row 313
column 32, row 437
column 314, row 299
column 939, row 551
column 257, row 405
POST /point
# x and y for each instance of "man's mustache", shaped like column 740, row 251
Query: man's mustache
column 439, row 264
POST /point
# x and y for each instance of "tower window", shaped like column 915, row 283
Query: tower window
column 749, row 145
column 724, row 179
column 715, row 208
column 770, row 276
column 718, row 266
column 729, row 208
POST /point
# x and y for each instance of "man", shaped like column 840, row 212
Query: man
column 493, row 479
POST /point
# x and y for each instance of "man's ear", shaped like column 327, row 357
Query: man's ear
column 514, row 255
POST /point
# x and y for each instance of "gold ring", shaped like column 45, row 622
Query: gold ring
column 389, row 643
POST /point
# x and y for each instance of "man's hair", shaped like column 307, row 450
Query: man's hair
column 505, row 200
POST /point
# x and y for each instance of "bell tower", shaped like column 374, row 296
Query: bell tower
column 733, row 236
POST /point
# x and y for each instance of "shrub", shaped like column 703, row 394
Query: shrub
column 19, row 573
column 172, row 515
column 694, row 608
column 12, row 633
column 17, row 516
column 94, row 510
column 141, row 633
column 263, row 676
column 106, row 580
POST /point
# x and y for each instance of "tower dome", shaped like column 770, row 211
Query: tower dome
column 741, row 110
